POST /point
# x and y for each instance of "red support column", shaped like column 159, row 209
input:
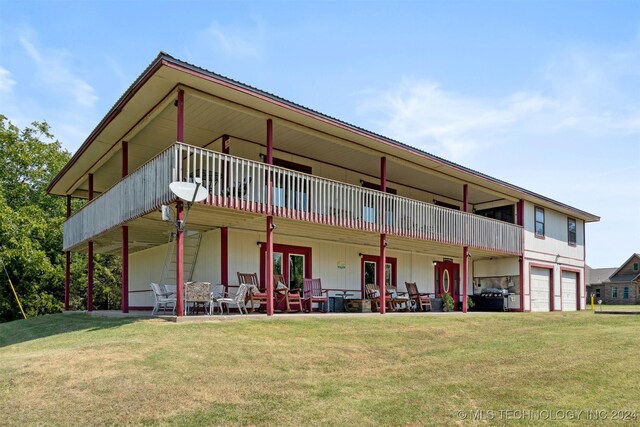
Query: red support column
column 67, row 266
column 125, row 239
column 269, row 254
column 465, row 278
column 224, row 257
column 382, row 265
column 180, row 119
column 179, row 262
column 520, row 214
column 90, row 257
column 465, row 197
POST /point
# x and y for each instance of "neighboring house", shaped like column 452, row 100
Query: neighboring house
column 615, row 285
column 295, row 192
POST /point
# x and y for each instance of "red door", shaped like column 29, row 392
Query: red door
column 447, row 279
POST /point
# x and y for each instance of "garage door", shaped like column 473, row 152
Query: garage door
column 569, row 289
column 540, row 289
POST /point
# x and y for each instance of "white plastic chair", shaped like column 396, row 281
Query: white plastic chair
column 162, row 299
column 217, row 293
column 237, row 300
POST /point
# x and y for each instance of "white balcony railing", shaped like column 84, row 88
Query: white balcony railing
column 251, row 186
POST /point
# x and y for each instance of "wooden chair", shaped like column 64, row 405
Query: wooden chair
column 421, row 300
column 312, row 293
column 285, row 294
column 255, row 295
column 373, row 293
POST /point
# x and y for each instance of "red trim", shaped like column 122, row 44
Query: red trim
column 125, row 269
column 90, row 276
column 465, row 273
column 224, row 257
column 269, row 141
column 180, row 119
column 179, row 263
column 269, row 266
column 454, row 273
column 383, row 174
column 551, row 283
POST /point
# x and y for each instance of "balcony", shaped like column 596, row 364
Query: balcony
column 250, row 186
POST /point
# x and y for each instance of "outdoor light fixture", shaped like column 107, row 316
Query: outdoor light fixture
column 434, row 263
column 469, row 255
column 190, row 192
column 273, row 226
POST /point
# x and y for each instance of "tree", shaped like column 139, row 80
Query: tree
column 31, row 229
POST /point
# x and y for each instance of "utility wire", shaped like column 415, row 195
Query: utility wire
column 13, row 289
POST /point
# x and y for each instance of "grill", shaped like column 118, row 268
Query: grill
column 492, row 299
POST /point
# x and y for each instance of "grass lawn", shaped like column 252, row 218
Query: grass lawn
column 620, row 307
column 409, row 370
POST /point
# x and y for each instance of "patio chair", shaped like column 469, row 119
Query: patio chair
column 313, row 293
column 238, row 299
column 421, row 300
column 197, row 294
column 373, row 293
column 256, row 295
column 162, row 299
column 217, row 292
column 281, row 292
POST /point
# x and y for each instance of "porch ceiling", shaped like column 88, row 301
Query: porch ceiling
column 149, row 231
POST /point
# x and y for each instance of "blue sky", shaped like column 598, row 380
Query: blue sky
column 543, row 94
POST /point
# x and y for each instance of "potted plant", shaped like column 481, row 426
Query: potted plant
column 447, row 302
column 470, row 303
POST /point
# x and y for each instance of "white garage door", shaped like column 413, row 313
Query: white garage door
column 540, row 289
column 569, row 289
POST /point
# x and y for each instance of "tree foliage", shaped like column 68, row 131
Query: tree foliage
column 31, row 229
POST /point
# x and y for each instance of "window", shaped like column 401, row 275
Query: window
column 290, row 191
column 597, row 292
column 539, row 222
column 571, row 229
column 614, row 292
column 636, row 266
column 626, row 292
column 369, row 205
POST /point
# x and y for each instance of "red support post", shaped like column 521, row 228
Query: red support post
column 125, row 239
column 224, row 257
column 90, row 258
column 465, row 197
column 125, row 269
column 67, row 266
column 269, row 266
column 465, row 277
column 179, row 262
column 180, row 119
column 270, row 226
column 382, row 265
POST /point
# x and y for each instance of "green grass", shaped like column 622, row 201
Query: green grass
column 411, row 370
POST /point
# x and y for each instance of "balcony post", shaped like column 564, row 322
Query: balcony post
column 180, row 118
column 382, row 265
column 270, row 226
column 125, row 239
column 67, row 266
column 179, row 262
column 90, row 257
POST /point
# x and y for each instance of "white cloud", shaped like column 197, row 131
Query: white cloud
column 55, row 72
column 238, row 42
column 6, row 82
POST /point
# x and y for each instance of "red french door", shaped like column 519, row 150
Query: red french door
column 447, row 279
